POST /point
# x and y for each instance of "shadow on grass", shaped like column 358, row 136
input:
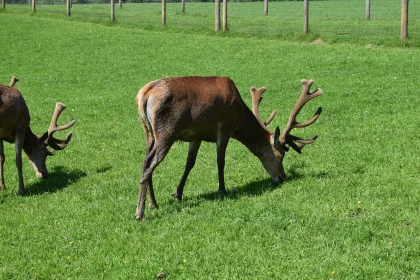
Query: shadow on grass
column 255, row 188
column 57, row 180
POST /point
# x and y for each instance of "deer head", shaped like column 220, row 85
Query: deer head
column 39, row 152
column 282, row 143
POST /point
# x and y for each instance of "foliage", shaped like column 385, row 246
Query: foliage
column 348, row 210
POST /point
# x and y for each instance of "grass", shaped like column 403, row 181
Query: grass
column 337, row 21
column 349, row 209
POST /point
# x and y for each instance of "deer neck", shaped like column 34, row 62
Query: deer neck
column 255, row 137
column 30, row 142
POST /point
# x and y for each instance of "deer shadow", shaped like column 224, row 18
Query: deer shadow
column 255, row 188
column 57, row 180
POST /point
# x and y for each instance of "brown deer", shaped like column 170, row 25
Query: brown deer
column 14, row 128
column 196, row 109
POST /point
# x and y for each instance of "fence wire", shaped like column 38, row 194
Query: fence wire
column 332, row 21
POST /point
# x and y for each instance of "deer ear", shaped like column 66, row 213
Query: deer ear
column 275, row 137
column 277, row 133
column 44, row 137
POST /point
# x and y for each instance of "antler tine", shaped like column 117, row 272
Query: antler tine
column 59, row 107
column 298, row 148
column 256, row 94
column 288, row 140
column 57, row 144
column 273, row 114
column 13, row 81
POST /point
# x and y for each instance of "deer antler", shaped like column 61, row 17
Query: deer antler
column 13, row 81
column 57, row 144
column 286, row 139
column 256, row 94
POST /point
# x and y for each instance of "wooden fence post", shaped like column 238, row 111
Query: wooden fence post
column 404, row 20
column 265, row 7
column 3, row 4
column 68, row 5
column 120, row 4
column 216, row 15
column 33, row 6
column 225, row 23
column 367, row 9
column 306, row 16
column 163, row 12
column 183, row 6
column 112, row 10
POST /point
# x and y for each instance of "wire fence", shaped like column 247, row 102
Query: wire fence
column 332, row 21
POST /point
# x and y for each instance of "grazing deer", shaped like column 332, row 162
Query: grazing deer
column 14, row 128
column 196, row 109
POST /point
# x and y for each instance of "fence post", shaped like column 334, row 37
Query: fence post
column 404, row 20
column 68, row 4
column 120, row 4
column 183, row 6
column 163, row 12
column 225, row 23
column 306, row 16
column 3, row 4
column 367, row 9
column 112, row 10
column 265, row 7
column 216, row 15
column 33, row 6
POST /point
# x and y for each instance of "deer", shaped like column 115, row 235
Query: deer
column 195, row 109
column 14, row 128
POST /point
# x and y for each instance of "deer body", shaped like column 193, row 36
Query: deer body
column 196, row 109
column 14, row 128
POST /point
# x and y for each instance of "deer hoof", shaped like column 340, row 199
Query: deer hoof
column 138, row 218
column 177, row 196
column 222, row 192
column 153, row 206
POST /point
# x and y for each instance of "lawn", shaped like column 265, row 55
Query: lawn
column 349, row 209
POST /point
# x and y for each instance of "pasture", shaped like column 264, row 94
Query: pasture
column 349, row 209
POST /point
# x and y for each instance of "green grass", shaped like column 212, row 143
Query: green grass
column 338, row 21
column 349, row 209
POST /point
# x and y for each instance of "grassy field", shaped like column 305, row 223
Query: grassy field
column 337, row 21
column 349, row 210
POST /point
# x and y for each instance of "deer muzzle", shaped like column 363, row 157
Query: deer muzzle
column 277, row 180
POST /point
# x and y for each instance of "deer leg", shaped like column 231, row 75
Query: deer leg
column 222, row 143
column 192, row 156
column 156, row 155
column 2, row 159
column 18, row 147
column 150, row 144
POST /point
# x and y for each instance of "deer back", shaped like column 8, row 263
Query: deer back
column 13, row 112
column 188, row 108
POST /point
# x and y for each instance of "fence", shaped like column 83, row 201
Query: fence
column 331, row 20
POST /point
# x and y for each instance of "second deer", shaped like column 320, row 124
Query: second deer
column 14, row 128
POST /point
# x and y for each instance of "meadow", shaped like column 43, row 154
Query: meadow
column 333, row 21
column 350, row 206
